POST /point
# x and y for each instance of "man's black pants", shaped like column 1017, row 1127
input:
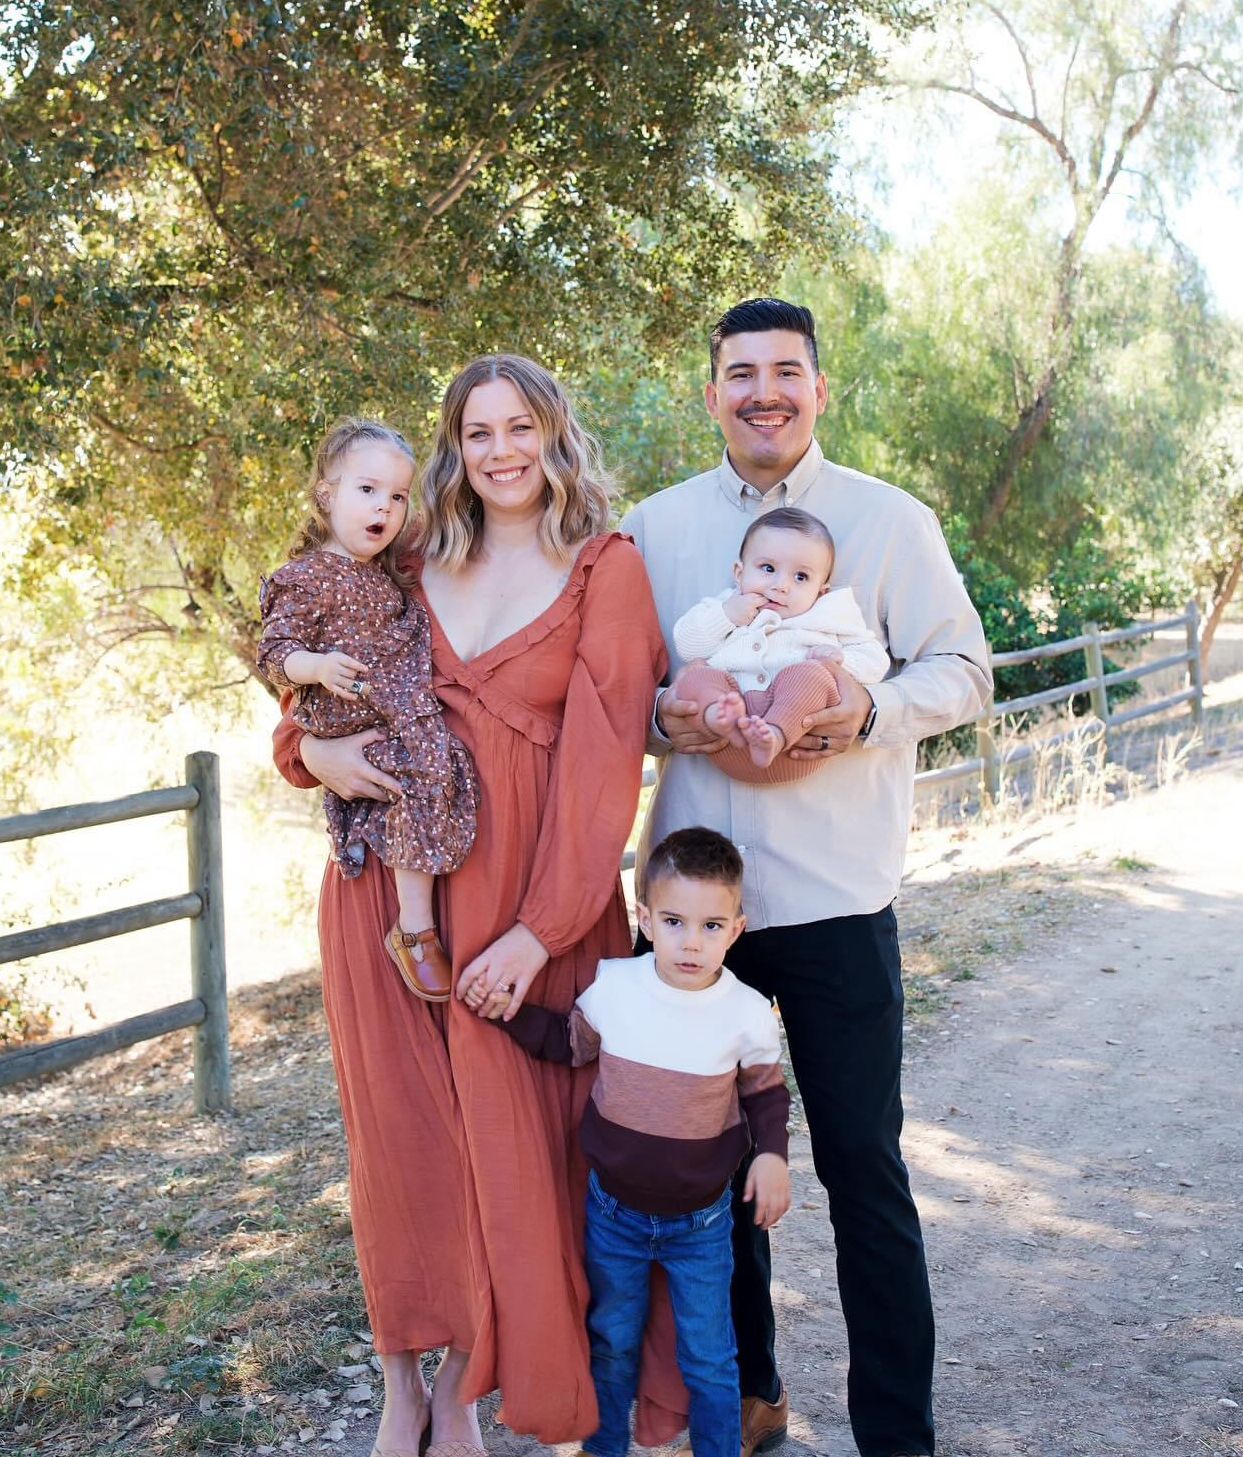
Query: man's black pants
column 839, row 988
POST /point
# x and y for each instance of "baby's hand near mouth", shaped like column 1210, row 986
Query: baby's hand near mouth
column 742, row 607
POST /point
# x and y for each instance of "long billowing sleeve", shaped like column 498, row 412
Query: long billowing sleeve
column 286, row 743
column 936, row 639
column 594, row 790
column 699, row 632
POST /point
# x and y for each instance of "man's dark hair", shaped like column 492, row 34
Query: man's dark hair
column 754, row 316
column 697, row 853
column 790, row 518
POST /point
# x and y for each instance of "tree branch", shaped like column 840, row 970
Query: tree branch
column 1033, row 123
column 520, row 35
column 487, row 148
column 97, row 417
column 1018, row 45
column 1197, row 70
column 1163, row 70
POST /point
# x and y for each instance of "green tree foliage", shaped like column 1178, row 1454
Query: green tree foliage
column 222, row 226
column 925, row 349
column 1089, row 94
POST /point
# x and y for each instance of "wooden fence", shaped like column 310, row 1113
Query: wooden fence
column 990, row 760
column 203, row 905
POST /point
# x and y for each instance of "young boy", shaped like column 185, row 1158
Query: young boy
column 689, row 1080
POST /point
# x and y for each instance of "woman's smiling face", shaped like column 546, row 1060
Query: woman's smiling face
column 501, row 450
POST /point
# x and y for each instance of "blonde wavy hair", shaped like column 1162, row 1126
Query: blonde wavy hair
column 333, row 448
column 578, row 490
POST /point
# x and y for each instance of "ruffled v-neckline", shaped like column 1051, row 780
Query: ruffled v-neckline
column 539, row 626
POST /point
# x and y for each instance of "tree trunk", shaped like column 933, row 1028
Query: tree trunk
column 1023, row 440
column 1221, row 601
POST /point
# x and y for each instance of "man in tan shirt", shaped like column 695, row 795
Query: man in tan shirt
column 823, row 855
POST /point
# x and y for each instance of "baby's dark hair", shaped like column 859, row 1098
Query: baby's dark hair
column 697, row 853
column 790, row 518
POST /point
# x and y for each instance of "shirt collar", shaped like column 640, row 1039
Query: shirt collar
column 785, row 493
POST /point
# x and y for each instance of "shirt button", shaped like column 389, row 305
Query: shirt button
column 761, row 678
column 756, row 646
column 742, row 849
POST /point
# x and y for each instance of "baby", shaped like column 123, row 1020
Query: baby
column 755, row 658
column 340, row 627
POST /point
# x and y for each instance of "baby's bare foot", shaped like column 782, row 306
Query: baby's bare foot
column 764, row 741
column 722, row 718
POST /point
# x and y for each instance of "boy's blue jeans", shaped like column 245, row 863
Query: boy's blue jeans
column 696, row 1254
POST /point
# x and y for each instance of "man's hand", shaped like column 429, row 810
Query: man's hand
column 768, row 1183
column 742, row 607
column 833, row 730
column 680, row 722
column 340, row 765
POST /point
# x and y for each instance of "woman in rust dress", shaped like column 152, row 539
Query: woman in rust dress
column 466, row 1180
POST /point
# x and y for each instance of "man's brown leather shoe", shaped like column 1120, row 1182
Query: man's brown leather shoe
column 763, row 1425
column 764, row 1422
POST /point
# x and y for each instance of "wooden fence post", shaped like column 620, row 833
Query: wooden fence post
column 986, row 751
column 211, row 1036
column 1095, row 659
column 1195, row 664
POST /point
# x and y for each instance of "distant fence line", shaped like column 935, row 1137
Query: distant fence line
column 203, row 905
column 990, row 761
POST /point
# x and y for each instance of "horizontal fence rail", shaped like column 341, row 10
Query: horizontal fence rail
column 106, row 812
column 990, row 760
column 202, row 905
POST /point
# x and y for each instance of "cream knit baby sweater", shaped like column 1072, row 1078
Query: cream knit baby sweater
column 754, row 652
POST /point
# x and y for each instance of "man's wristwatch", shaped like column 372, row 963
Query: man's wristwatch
column 866, row 727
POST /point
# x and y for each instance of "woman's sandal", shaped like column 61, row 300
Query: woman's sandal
column 424, row 965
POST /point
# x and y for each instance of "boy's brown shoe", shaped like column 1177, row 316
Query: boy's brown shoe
column 764, row 1423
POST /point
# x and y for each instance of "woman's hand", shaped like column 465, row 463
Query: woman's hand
column 341, row 765
column 497, row 981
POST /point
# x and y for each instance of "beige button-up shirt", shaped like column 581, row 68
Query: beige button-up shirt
column 831, row 844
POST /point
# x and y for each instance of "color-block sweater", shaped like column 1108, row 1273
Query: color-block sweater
column 687, row 1081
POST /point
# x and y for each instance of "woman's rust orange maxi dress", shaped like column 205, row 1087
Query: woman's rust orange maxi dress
column 466, row 1180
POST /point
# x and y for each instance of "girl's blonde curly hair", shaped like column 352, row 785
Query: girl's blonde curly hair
column 333, row 448
column 578, row 490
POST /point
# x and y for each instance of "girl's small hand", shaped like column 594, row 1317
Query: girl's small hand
column 338, row 672
column 495, row 983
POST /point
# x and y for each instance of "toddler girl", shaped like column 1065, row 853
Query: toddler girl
column 340, row 629
column 767, row 643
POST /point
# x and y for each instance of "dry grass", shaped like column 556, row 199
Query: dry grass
column 216, row 1250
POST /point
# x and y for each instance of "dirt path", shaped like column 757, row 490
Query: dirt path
column 1074, row 1090
column 1073, row 1134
